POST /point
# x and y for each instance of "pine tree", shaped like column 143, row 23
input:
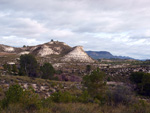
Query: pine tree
column 95, row 84
column 47, row 71
column 28, row 65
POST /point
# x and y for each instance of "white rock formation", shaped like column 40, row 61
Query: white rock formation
column 8, row 49
column 24, row 52
column 11, row 63
column 58, row 48
column 77, row 54
column 45, row 50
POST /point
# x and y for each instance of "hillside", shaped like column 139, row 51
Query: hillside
column 104, row 55
column 53, row 51
column 77, row 54
column 50, row 48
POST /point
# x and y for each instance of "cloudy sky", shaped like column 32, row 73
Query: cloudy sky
column 121, row 27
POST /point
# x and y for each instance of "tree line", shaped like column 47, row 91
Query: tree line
column 28, row 66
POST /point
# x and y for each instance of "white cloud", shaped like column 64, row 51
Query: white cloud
column 19, row 41
column 121, row 27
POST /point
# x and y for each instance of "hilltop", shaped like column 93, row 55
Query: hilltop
column 53, row 51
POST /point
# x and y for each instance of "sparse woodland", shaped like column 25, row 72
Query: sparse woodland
column 93, row 94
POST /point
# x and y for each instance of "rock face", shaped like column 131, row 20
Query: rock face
column 45, row 50
column 50, row 48
column 4, row 48
column 24, row 52
column 77, row 55
column 8, row 49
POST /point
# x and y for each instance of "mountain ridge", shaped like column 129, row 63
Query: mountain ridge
column 105, row 55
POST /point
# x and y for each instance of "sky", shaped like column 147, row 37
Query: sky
column 121, row 27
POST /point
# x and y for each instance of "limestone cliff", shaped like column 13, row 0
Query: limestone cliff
column 77, row 55
column 4, row 48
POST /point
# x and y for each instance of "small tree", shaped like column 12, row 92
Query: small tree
column 14, row 69
column 47, row 71
column 7, row 67
column 24, row 46
column 142, row 81
column 88, row 68
column 27, row 99
column 64, row 97
column 95, row 84
column 13, row 95
column 28, row 65
column 136, row 77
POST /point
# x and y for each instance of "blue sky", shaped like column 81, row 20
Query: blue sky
column 120, row 27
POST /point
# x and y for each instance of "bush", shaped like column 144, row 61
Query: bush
column 142, row 81
column 13, row 95
column 47, row 103
column 88, row 68
column 30, row 100
column 140, row 107
column 47, row 71
column 64, row 97
column 137, row 77
column 95, row 84
column 85, row 97
column 27, row 99
column 120, row 95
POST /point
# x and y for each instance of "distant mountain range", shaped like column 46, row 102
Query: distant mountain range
column 105, row 55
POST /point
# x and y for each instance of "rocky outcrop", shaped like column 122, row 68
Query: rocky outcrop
column 50, row 49
column 9, row 49
column 54, row 50
column 77, row 55
column 4, row 48
column 24, row 52
column 45, row 50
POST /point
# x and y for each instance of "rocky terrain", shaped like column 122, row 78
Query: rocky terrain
column 42, row 87
column 77, row 54
column 52, row 50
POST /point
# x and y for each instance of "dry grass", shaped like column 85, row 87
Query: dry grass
column 79, row 108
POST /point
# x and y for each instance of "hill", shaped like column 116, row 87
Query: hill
column 104, row 55
column 76, row 54
column 53, row 51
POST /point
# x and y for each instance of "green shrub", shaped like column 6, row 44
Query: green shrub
column 95, row 84
column 47, row 103
column 142, row 81
column 47, row 71
column 13, row 95
column 137, row 77
column 27, row 99
column 140, row 107
column 30, row 100
column 120, row 95
column 64, row 97
column 85, row 97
